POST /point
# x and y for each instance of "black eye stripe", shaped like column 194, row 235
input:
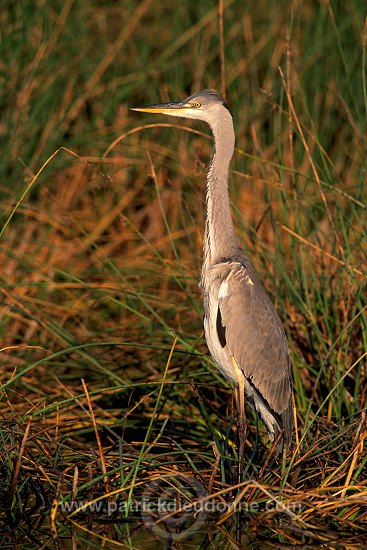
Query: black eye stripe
column 226, row 106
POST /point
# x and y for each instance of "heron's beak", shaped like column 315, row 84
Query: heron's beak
column 164, row 108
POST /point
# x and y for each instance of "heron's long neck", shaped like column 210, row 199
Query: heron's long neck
column 220, row 240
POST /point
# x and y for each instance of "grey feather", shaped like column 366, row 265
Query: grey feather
column 255, row 338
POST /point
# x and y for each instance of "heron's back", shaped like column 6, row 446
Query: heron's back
column 245, row 337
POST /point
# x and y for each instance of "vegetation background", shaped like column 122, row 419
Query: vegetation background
column 106, row 379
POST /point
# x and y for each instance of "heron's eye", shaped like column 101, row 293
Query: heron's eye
column 197, row 105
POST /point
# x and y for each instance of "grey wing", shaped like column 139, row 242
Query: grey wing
column 254, row 336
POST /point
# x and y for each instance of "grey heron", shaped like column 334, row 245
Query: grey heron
column 243, row 331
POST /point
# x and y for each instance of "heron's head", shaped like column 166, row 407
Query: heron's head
column 207, row 105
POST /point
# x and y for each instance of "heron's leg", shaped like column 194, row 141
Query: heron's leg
column 240, row 401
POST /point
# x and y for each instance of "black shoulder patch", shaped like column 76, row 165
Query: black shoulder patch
column 221, row 330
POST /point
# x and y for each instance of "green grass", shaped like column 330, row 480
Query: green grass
column 101, row 254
